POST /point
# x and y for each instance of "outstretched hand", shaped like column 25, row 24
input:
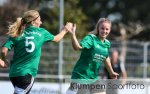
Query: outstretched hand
column 70, row 27
column 3, row 64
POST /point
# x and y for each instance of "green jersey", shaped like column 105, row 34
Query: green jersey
column 27, row 51
column 93, row 54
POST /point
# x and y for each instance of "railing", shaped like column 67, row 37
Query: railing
column 136, row 62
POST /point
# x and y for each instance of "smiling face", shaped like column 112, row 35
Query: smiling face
column 104, row 29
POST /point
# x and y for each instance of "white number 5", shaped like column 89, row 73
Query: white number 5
column 29, row 42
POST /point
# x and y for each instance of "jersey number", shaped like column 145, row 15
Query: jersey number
column 29, row 42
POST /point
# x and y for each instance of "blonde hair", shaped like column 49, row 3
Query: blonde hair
column 16, row 29
column 101, row 20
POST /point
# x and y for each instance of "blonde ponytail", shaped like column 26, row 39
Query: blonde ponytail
column 16, row 28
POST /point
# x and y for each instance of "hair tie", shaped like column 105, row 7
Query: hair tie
column 23, row 21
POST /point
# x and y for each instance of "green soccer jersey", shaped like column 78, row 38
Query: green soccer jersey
column 93, row 54
column 27, row 51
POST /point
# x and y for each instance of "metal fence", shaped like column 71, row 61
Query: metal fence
column 136, row 61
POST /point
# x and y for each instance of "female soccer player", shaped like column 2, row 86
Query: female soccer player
column 94, row 51
column 27, row 38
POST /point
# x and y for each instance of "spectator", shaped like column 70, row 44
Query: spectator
column 119, row 68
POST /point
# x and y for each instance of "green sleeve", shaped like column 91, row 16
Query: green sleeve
column 87, row 42
column 9, row 43
column 48, row 36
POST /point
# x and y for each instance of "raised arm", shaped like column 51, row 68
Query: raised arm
column 112, row 74
column 74, row 39
column 59, row 36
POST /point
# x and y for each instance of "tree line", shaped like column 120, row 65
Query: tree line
column 130, row 17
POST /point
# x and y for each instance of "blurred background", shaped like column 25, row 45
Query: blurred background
column 130, row 34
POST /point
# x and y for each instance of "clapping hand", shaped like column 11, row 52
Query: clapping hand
column 71, row 28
